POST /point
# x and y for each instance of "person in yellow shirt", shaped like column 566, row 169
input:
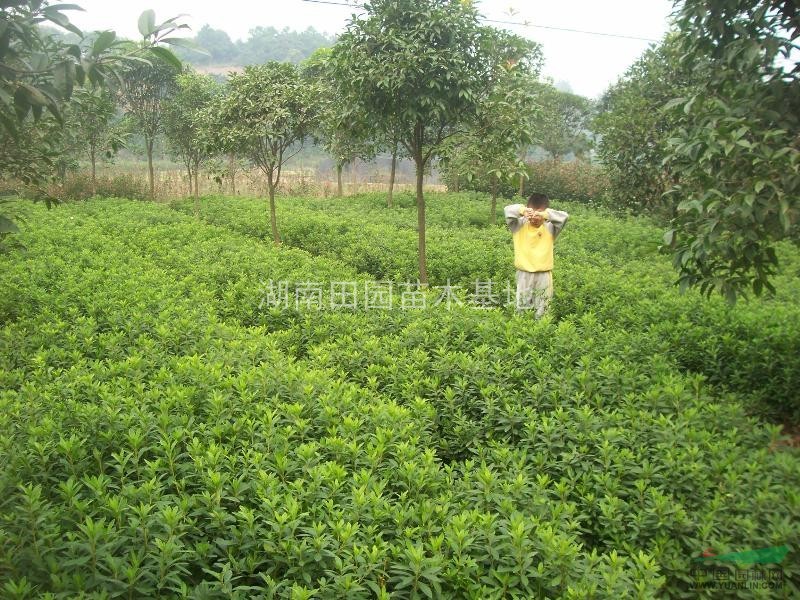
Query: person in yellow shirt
column 534, row 229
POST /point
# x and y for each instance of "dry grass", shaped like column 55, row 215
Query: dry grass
column 174, row 183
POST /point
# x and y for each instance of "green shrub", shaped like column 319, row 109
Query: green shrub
column 605, row 264
column 163, row 437
column 575, row 180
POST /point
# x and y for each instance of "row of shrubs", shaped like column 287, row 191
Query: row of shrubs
column 159, row 441
column 577, row 180
column 78, row 186
column 607, row 265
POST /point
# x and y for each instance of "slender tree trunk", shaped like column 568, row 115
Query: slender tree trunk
column 273, row 218
column 339, row 167
column 392, row 173
column 196, row 193
column 493, row 213
column 423, row 264
column 523, row 154
column 232, row 170
column 93, row 158
column 150, row 169
column 457, row 186
column 189, row 173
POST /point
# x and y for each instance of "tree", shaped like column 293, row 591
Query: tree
column 422, row 65
column 148, row 89
column 736, row 156
column 268, row 111
column 186, row 124
column 38, row 72
column 488, row 152
column 343, row 133
column 93, row 117
column 564, row 122
column 217, row 43
column 633, row 129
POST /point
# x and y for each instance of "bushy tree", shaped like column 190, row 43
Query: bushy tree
column 345, row 134
column 267, row 112
column 633, row 128
column 487, row 153
column 736, row 153
column 101, row 136
column 564, row 122
column 147, row 91
column 186, row 124
column 423, row 66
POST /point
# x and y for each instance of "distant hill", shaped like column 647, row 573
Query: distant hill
column 263, row 44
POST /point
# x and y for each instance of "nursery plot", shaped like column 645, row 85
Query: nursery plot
column 162, row 435
column 605, row 265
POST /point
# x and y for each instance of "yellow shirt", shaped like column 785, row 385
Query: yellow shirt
column 533, row 248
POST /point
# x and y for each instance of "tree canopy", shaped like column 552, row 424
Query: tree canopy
column 263, row 44
column 267, row 113
column 422, row 68
column 735, row 154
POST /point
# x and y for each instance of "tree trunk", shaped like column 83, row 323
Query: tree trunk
column 493, row 213
column 423, row 264
column 339, row 167
column 189, row 173
column 273, row 218
column 391, row 177
column 196, row 193
column 94, row 171
column 232, row 170
column 150, row 169
column 522, row 178
column 457, row 186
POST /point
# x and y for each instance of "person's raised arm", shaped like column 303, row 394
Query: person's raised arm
column 515, row 216
column 557, row 219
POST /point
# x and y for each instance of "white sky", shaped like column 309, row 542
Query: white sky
column 589, row 63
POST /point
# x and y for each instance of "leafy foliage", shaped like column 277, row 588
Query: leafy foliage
column 564, row 122
column 342, row 132
column 149, row 88
column 38, row 72
column 422, row 69
column 266, row 114
column 634, row 130
column 606, row 265
column 504, row 123
column 164, row 437
column 94, row 116
column 187, row 122
column 736, row 157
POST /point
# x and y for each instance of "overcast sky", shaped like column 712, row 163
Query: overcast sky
column 589, row 63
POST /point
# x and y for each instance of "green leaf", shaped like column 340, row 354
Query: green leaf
column 147, row 23
column 52, row 14
column 167, row 56
column 103, row 42
column 7, row 225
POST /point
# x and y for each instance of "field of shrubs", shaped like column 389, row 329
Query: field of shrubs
column 164, row 433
